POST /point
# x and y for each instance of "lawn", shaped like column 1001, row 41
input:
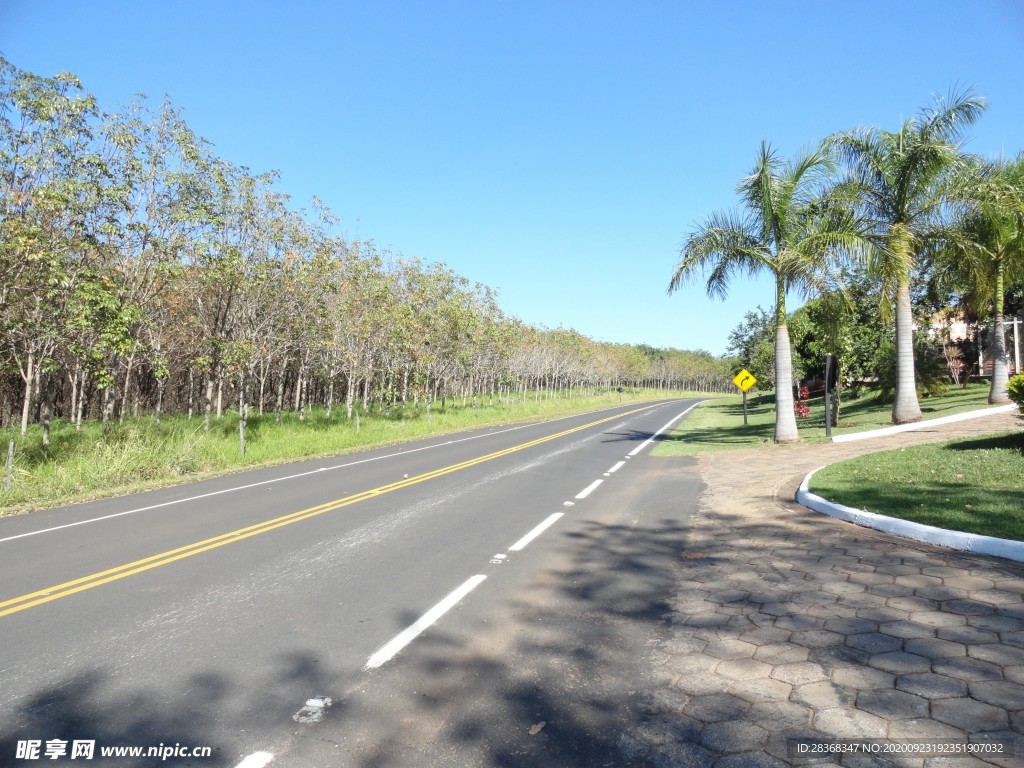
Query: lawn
column 974, row 485
column 139, row 455
column 718, row 425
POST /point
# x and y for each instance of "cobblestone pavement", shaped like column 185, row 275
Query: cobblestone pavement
column 787, row 623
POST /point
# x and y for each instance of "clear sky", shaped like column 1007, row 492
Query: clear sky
column 556, row 150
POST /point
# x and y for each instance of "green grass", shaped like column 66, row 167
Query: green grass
column 974, row 485
column 718, row 425
column 137, row 455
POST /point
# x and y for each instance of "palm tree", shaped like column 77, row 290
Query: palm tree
column 985, row 252
column 788, row 228
column 900, row 177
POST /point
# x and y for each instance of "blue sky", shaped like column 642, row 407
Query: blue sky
column 557, row 151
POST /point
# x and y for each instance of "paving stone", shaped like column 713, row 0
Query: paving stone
column 1003, row 655
column 883, row 591
column 967, row 607
column 817, row 638
column 762, row 689
column 799, row 672
column 968, row 669
column 879, row 761
column 707, row 620
column 913, row 603
column 862, row 678
column 937, row 619
column 875, row 642
column 932, row 686
column 850, row 723
column 970, row 715
column 941, row 594
column 743, row 669
column 837, row 656
column 918, row 580
column 1014, row 674
column 765, row 636
column 924, row 728
column 996, row 623
column 779, row 716
column 995, row 597
column 693, row 663
column 750, row 760
column 667, row 730
column 905, row 629
column 851, row 626
column 662, row 700
column 822, row 695
column 798, row 622
column 701, row 683
column 871, row 578
column 738, row 736
column 715, row 707
column 999, row 693
column 967, row 635
column 882, row 614
column 681, row 756
column 731, row 649
column 892, row 705
column 900, row 663
column 968, row 582
column 728, row 596
column 781, row 653
column 934, row 648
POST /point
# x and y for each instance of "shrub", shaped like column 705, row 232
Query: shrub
column 1016, row 391
column 929, row 369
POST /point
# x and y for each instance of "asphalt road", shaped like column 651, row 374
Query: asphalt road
column 207, row 615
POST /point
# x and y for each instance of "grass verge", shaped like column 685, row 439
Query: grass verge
column 718, row 425
column 138, row 455
column 974, row 485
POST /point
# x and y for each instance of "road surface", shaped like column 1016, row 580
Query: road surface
column 207, row 615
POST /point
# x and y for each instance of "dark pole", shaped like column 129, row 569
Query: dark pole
column 828, row 403
column 744, row 407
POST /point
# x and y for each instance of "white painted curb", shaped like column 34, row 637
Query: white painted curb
column 966, row 542
column 966, row 416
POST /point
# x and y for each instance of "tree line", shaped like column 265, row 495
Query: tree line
column 904, row 216
column 141, row 272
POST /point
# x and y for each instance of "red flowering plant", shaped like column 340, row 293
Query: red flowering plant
column 799, row 406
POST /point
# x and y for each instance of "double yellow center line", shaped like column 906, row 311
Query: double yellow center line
column 14, row 605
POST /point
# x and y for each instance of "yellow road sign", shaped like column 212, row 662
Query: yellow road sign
column 744, row 380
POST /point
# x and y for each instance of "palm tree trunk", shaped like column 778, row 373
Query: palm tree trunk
column 1000, row 367
column 785, row 417
column 906, row 408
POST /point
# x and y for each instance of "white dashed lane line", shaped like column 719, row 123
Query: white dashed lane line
column 396, row 644
column 537, row 531
column 589, row 489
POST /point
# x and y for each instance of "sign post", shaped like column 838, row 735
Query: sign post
column 744, row 380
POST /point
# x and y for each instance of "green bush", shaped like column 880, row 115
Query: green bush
column 1016, row 390
column 930, row 371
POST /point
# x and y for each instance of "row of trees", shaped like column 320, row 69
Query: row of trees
column 904, row 206
column 140, row 271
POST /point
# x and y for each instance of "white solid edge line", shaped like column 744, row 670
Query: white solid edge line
column 954, row 418
column 294, row 477
column 589, row 489
column 655, row 436
column 537, row 531
column 617, row 467
column 967, row 542
column 402, row 639
column 256, row 760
